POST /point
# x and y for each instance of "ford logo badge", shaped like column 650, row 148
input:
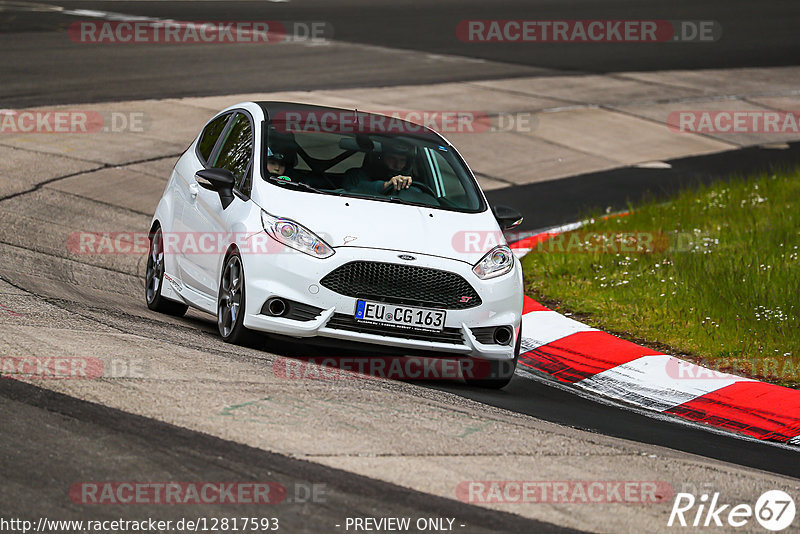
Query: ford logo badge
column 406, row 257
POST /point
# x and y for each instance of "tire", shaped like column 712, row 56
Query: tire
column 231, row 301
column 154, row 279
column 491, row 374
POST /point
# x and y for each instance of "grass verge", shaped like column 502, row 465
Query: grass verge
column 714, row 274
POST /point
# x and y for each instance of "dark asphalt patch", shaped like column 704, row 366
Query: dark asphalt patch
column 81, row 441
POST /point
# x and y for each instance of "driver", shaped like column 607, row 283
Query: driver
column 391, row 173
column 280, row 161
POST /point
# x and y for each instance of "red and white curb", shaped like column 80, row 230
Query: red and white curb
column 522, row 246
column 600, row 365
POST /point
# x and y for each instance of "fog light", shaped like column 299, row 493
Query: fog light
column 503, row 335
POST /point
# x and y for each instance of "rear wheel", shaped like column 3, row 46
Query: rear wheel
column 231, row 301
column 492, row 374
column 154, row 279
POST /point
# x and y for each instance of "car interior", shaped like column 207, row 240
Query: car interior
column 325, row 165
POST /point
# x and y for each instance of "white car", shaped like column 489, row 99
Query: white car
column 307, row 221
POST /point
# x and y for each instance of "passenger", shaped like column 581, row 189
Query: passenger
column 390, row 173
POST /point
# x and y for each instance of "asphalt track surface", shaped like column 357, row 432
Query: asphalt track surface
column 556, row 202
column 78, row 439
column 381, row 43
column 86, row 441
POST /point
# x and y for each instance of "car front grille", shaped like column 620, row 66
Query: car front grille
column 342, row 321
column 402, row 284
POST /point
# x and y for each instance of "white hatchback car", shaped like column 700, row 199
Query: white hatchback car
column 307, row 221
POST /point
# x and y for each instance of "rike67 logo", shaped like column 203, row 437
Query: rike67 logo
column 774, row 510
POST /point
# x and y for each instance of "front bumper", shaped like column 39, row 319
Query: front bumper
column 295, row 276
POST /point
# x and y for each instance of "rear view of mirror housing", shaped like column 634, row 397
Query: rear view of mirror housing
column 219, row 180
column 507, row 217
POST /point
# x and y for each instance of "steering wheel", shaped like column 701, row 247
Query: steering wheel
column 422, row 187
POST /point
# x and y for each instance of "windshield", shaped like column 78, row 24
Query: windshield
column 379, row 166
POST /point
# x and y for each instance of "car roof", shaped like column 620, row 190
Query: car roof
column 273, row 107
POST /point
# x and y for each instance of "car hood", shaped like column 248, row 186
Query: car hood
column 356, row 222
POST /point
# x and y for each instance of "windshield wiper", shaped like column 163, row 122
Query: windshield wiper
column 298, row 185
column 398, row 200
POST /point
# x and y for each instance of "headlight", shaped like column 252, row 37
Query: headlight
column 496, row 262
column 295, row 235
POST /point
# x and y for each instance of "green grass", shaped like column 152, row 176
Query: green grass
column 719, row 283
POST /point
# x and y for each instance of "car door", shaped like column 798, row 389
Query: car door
column 205, row 216
column 187, row 189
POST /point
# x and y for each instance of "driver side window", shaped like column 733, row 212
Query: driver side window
column 236, row 153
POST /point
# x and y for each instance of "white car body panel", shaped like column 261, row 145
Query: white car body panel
column 374, row 224
column 356, row 228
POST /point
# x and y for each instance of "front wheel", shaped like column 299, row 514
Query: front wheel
column 231, row 301
column 154, row 279
column 492, row 374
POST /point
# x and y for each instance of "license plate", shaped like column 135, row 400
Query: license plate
column 400, row 316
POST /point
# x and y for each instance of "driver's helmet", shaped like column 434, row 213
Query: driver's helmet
column 285, row 156
column 398, row 148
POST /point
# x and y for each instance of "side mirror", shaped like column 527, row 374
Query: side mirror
column 219, row 180
column 507, row 217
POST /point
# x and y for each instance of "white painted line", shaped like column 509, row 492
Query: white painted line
column 657, row 382
column 653, row 165
column 543, row 327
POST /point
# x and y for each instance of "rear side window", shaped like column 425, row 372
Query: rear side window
column 210, row 135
